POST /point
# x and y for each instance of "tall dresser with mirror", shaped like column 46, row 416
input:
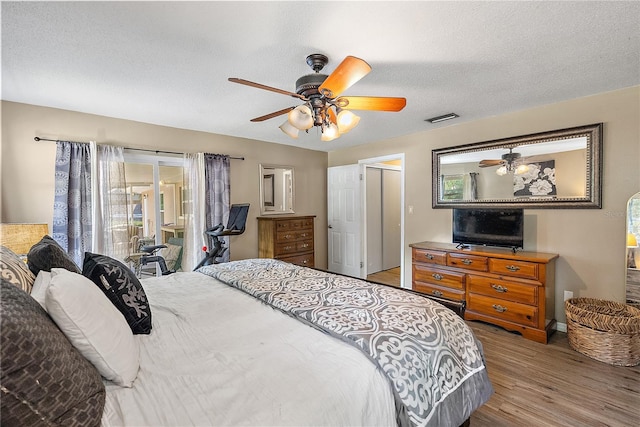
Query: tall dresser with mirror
column 287, row 238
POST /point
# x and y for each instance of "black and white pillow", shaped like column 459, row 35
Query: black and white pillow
column 48, row 254
column 14, row 270
column 122, row 288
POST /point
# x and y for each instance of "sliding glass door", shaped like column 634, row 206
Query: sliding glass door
column 155, row 199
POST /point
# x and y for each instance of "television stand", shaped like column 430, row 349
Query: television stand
column 514, row 290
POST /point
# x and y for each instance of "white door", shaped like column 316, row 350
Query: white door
column 343, row 219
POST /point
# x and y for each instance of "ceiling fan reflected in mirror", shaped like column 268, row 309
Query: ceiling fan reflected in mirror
column 322, row 104
column 509, row 163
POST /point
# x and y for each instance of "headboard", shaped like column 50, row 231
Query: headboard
column 21, row 237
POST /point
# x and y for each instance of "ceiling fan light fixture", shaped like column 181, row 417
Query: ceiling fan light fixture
column 347, row 121
column 301, row 117
column 502, row 170
column 521, row 169
column 330, row 132
column 289, row 129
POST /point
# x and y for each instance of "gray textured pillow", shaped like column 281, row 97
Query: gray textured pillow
column 14, row 270
column 48, row 254
column 43, row 379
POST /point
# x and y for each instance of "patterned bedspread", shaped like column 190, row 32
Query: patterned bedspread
column 430, row 356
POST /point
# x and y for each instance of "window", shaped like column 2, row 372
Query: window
column 453, row 187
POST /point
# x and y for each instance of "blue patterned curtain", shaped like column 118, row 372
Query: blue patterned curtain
column 217, row 192
column 72, row 203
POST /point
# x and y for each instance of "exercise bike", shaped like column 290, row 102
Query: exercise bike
column 235, row 227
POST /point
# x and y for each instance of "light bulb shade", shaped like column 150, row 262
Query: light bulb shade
column 330, row 132
column 502, row 170
column 631, row 240
column 301, row 117
column 287, row 128
column 347, row 121
column 521, row 169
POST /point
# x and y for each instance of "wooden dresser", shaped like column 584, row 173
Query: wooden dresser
column 513, row 290
column 288, row 238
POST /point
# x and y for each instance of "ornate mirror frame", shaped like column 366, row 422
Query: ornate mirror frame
column 542, row 145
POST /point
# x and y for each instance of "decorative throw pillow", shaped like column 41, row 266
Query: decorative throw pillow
column 40, row 286
column 13, row 269
column 48, row 254
column 170, row 255
column 45, row 381
column 94, row 326
column 122, row 287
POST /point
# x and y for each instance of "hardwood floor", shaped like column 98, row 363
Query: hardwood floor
column 540, row 385
column 386, row 277
column 552, row 385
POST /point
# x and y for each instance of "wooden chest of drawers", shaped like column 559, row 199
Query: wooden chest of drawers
column 513, row 290
column 287, row 238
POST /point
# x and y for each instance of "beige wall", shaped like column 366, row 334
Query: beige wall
column 590, row 242
column 28, row 166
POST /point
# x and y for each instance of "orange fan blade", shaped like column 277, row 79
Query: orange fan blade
column 489, row 163
column 265, row 87
column 272, row 115
column 371, row 103
column 346, row 74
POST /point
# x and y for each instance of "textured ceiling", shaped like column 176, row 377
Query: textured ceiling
column 167, row 63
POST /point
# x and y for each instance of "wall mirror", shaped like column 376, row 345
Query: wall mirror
column 555, row 169
column 276, row 189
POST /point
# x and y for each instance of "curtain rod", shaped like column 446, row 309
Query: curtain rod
column 134, row 149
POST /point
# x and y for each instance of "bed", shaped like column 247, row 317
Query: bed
column 263, row 342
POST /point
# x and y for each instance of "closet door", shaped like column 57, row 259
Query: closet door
column 374, row 220
column 391, row 201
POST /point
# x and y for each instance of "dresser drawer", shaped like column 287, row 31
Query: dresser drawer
column 294, row 247
column 292, row 235
column 438, row 291
column 294, row 224
column 429, row 256
column 522, row 314
column 503, row 289
column 469, row 262
column 527, row 270
column 305, row 260
column 427, row 274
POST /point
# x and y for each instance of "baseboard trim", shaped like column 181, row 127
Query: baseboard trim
column 561, row 327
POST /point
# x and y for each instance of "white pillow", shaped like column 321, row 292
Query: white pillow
column 93, row 325
column 40, row 286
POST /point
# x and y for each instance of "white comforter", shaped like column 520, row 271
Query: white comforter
column 218, row 357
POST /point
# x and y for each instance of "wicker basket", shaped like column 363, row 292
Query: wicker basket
column 604, row 330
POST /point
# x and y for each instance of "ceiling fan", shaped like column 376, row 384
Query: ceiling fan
column 509, row 163
column 323, row 106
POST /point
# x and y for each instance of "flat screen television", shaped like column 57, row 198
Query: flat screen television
column 489, row 227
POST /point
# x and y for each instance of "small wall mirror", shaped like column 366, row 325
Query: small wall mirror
column 276, row 189
column 556, row 169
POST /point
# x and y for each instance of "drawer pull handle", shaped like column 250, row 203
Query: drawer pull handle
column 305, row 261
column 499, row 288
column 437, row 276
column 467, row 261
column 288, row 236
column 499, row 308
column 512, row 267
column 436, row 293
column 429, row 256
